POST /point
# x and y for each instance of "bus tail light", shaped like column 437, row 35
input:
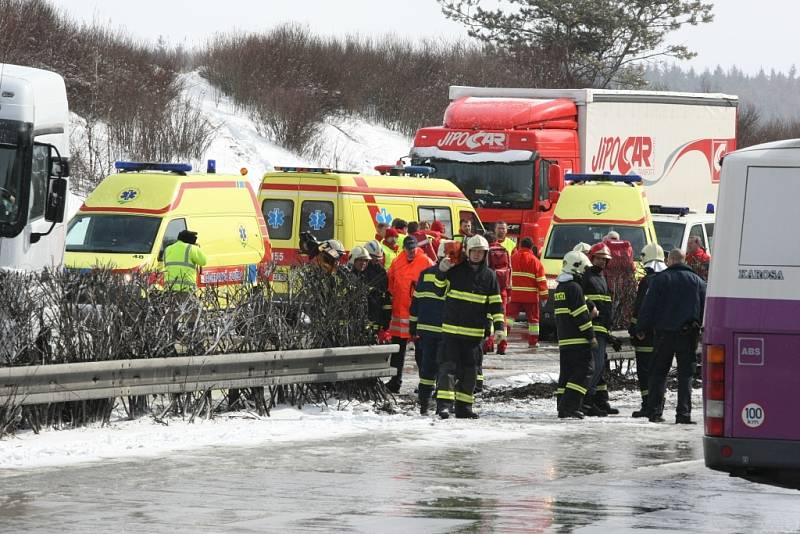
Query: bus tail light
column 715, row 390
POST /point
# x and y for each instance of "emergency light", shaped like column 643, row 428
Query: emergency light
column 669, row 210
column 319, row 170
column 710, row 208
column 400, row 170
column 605, row 177
column 211, row 168
column 136, row 166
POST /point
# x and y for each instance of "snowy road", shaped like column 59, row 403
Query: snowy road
column 518, row 468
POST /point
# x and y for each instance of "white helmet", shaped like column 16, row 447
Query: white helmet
column 476, row 242
column 652, row 252
column 358, row 253
column 332, row 248
column 582, row 247
column 374, row 249
column 575, row 263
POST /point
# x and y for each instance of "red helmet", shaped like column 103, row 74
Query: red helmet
column 600, row 250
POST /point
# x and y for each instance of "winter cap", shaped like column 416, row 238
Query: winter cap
column 410, row 242
column 391, row 232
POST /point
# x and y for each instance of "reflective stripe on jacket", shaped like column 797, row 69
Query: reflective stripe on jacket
column 573, row 325
column 528, row 281
column 427, row 305
column 181, row 261
column 595, row 289
column 473, row 296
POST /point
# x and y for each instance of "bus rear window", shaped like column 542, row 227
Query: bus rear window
column 770, row 210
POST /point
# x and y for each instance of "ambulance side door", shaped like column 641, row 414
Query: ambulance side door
column 281, row 213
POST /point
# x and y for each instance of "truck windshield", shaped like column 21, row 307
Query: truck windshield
column 669, row 234
column 121, row 234
column 564, row 237
column 10, row 175
column 491, row 184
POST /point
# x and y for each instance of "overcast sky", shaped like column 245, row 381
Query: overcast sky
column 746, row 33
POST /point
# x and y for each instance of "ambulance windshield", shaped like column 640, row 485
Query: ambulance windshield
column 112, row 234
column 490, row 184
column 564, row 237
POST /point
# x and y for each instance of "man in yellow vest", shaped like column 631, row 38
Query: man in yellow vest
column 181, row 262
column 501, row 232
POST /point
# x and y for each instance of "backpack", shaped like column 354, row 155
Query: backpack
column 500, row 263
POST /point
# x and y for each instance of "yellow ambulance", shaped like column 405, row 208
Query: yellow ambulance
column 348, row 206
column 589, row 208
column 132, row 216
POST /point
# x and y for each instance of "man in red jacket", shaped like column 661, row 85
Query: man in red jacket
column 403, row 276
column 697, row 258
column 528, row 288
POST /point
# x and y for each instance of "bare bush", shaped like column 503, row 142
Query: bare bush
column 289, row 80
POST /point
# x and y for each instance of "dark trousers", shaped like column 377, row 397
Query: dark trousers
column 644, row 361
column 428, row 350
column 457, row 370
column 680, row 345
column 479, row 366
column 576, row 369
column 398, row 359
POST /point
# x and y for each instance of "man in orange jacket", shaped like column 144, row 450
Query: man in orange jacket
column 528, row 288
column 403, row 275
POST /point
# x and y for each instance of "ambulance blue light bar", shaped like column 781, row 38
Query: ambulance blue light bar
column 135, row 166
column 668, row 210
column 710, row 208
column 318, row 170
column 604, row 177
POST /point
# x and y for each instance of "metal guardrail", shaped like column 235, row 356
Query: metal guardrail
column 44, row 384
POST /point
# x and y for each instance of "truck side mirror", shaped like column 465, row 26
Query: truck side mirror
column 554, row 178
column 56, row 201
column 554, row 196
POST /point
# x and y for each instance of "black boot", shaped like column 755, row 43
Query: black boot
column 570, row 414
column 641, row 412
column 443, row 408
column 601, row 401
column 424, row 404
column 464, row 411
column 424, row 397
column 393, row 385
column 591, row 409
column 684, row 420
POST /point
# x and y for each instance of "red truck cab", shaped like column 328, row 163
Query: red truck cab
column 507, row 155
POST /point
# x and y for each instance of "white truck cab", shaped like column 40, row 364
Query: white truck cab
column 34, row 152
column 674, row 226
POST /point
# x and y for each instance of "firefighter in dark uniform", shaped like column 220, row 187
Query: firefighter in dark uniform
column 576, row 337
column 597, row 294
column 427, row 308
column 653, row 261
column 473, row 293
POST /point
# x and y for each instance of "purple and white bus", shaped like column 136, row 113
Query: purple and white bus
column 751, row 345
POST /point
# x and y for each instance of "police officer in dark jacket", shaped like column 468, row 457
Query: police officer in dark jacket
column 473, row 295
column 653, row 261
column 673, row 308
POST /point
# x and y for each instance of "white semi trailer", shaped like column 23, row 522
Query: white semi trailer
column 34, row 155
